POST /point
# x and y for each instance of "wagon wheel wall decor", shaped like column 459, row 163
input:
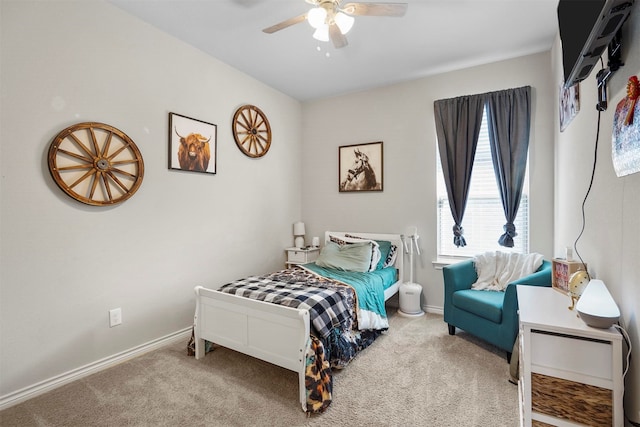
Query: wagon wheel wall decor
column 96, row 164
column 252, row 131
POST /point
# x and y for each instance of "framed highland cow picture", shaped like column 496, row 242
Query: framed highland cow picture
column 192, row 144
column 360, row 167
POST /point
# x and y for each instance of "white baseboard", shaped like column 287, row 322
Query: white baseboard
column 37, row 389
column 433, row 309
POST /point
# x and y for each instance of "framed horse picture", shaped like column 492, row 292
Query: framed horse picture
column 360, row 167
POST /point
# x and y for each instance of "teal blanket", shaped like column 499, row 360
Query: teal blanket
column 369, row 289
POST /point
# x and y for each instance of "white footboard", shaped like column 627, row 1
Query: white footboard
column 270, row 332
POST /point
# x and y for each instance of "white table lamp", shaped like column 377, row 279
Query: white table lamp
column 298, row 233
column 596, row 307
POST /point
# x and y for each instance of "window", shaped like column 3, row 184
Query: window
column 484, row 216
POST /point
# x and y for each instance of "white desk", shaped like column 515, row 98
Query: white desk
column 570, row 373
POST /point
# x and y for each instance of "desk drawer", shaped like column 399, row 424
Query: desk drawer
column 572, row 354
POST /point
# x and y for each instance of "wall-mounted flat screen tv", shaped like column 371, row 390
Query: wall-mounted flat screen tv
column 586, row 29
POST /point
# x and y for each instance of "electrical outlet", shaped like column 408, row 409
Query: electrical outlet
column 115, row 317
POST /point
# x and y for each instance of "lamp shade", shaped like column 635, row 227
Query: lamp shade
column 298, row 228
column 317, row 17
column 344, row 22
column 322, row 33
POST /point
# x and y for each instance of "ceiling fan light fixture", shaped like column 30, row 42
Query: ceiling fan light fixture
column 322, row 33
column 332, row 21
column 344, row 22
column 317, row 17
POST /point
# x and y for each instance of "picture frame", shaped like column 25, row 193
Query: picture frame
column 360, row 167
column 625, row 140
column 569, row 104
column 561, row 271
column 192, row 144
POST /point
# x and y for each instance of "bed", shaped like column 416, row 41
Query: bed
column 282, row 334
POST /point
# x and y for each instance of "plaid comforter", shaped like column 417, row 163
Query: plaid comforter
column 331, row 304
column 335, row 338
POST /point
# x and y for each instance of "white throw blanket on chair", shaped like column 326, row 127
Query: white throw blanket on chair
column 497, row 269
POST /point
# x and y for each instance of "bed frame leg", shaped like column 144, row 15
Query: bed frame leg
column 200, row 344
column 302, row 369
column 199, row 348
column 303, row 390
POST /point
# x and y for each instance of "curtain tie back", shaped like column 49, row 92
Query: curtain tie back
column 458, row 239
column 506, row 239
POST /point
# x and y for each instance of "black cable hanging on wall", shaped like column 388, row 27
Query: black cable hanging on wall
column 586, row 196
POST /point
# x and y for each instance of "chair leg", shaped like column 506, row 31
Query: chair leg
column 452, row 329
column 508, row 357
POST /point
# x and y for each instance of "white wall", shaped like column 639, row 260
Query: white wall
column 610, row 244
column 63, row 264
column 402, row 117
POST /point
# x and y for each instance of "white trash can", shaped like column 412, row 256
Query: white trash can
column 410, row 300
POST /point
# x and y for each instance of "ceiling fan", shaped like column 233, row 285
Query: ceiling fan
column 332, row 20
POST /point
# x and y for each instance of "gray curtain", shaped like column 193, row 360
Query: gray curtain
column 509, row 120
column 458, row 123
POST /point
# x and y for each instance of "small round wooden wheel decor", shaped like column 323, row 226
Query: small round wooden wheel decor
column 252, row 131
column 96, row 164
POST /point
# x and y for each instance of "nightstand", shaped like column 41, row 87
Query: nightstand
column 570, row 373
column 297, row 256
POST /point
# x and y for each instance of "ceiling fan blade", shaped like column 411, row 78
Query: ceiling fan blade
column 375, row 9
column 284, row 24
column 337, row 38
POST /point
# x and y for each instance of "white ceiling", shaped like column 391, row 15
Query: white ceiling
column 434, row 36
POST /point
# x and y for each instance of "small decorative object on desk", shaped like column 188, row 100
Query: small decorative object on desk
column 561, row 273
column 568, row 253
column 577, row 284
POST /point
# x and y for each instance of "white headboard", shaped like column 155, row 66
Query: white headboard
column 395, row 239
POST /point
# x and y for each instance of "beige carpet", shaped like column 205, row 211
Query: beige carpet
column 415, row 375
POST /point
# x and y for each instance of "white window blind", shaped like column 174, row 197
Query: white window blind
column 484, row 216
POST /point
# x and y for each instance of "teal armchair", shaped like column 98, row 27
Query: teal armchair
column 489, row 315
